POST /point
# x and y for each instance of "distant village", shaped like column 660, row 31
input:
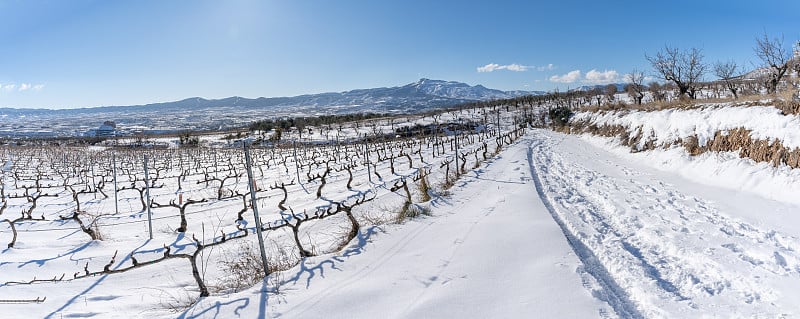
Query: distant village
column 107, row 129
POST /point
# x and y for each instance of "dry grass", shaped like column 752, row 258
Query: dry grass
column 177, row 302
column 449, row 182
column 243, row 269
column 424, row 188
column 788, row 101
column 735, row 140
column 682, row 104
column 376, row 217
column 411, row 211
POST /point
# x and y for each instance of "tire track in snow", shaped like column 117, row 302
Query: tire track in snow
column 611, row 292
column 672, row 254
column 671, row 262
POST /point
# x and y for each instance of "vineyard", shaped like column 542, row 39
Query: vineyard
column 185, row 216
column 470, row 212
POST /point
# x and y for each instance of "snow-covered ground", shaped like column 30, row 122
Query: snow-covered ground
column 491, row 250
column 555, row 226
column 667, row 127
column 670, row 125
column 558, row 227
column 665, row 246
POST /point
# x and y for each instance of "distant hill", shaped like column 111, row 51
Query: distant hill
column 585, row 88
column 204, row 114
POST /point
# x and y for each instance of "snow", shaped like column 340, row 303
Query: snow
column 553, row 226
column 667, row 126
column 500, row 256
column 722, row 169
column 671, row 247
column 645, row 243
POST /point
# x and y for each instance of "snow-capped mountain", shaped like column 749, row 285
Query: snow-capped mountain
column 458, row 90
column 755, row 74
column 586, row 88
column 205, row 114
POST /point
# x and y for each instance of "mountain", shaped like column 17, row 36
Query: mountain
column 208, row 114
column 457, row 90
column 586, row 88
column 421, row 95
column 755, row 74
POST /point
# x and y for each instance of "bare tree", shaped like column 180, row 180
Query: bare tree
column 776, row 57
column 610, row 90
column 655, row 90
column 597, row 94
column 727, row 72
column 684, row 68
column 796, row 58
column 635, row 87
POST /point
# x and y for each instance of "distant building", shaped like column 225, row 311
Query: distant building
column 108, row 129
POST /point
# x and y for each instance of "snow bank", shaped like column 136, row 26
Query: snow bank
column 723, row 169
column 669, row 126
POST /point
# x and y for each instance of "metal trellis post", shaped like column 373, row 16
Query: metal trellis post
column 147, row 190
column 251, row 184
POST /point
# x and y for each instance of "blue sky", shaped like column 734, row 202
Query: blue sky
column 84, row 53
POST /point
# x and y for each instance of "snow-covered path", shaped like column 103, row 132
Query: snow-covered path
column 664, row 247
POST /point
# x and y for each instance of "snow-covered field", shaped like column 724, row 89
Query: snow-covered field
column 554, row 226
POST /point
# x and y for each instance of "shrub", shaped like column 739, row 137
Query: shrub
column 560, row 115
column 242, row 266
column 424, row 188
column 411, row 211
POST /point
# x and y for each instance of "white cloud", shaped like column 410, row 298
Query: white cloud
column 22, row 87
column 488, row 68
column 605, row 77
column 548, row 67
column 510, row 67
column 570, row 77
column 491, row 67
column 516, row 67
column 628, row 78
